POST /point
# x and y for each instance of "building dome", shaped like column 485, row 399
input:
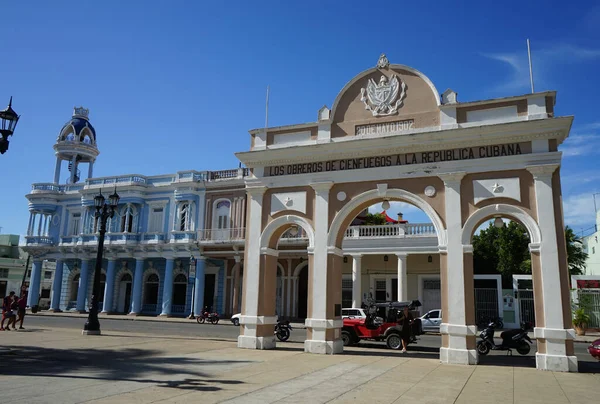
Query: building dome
column 79, row 128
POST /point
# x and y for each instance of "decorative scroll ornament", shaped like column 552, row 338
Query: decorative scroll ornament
column 383, row 62
column 383, row 98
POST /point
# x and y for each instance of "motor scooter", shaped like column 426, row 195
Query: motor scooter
column 511, row 339
column 282, row 330
column 209, row 317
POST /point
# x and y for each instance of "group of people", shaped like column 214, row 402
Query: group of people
column 13, row 310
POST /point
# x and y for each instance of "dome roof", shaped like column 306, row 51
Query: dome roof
column 78, row 125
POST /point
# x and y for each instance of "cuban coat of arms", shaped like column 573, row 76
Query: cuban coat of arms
column 383, row 98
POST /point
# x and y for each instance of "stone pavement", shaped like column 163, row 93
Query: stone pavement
column 46, row 365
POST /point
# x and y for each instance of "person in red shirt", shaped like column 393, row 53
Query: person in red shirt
column 7, row 312
column 22, row 304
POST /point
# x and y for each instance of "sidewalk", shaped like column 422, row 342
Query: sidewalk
column 60, row 365
column 589, row 337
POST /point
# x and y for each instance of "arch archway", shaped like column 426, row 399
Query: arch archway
column 343, row 218
column 273, row 231
column 150, row 292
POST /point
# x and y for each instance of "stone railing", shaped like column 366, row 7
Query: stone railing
column 391, row 230
column 221, row 235
column 40, row 240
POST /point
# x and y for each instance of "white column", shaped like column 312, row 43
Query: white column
column 39, row 232
column 295, row 297
column 57, row 170
column 73, row 168
column 456, row 328
column 252, row 274
column 554, row 331
column 30, row 225
column 318, row 321
column 356, row 280
column 402, row 278
column 243, row 212
column 90, row 169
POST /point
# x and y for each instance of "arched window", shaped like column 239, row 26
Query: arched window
column 126, row 278
column 181, row 278
column 221, row 220
column 128, row 218
column 151, row 290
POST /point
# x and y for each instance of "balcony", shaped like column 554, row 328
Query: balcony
column 182, row 236
column 38, row 240
column 394, row 231
column 122, row 238
column 221, row 236
column 152, row 238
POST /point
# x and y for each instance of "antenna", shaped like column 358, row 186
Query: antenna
column 530, row 66
column 267, row 111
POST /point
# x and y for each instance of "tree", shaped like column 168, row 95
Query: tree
column 502, row 250
column 505, row 251
column 576, row 257
column 374, row 219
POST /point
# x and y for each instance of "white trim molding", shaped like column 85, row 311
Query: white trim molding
column 275, row 224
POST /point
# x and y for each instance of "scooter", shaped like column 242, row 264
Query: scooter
column 511, row 339
column 282, row 330
column 208, row 317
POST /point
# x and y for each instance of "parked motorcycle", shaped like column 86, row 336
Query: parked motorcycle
column 207, row 316
column 511, row 339
column 282, row 330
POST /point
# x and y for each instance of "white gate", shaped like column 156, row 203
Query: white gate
column 591, row 297
column 486, row 304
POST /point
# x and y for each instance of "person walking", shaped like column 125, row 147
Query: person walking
column 22, row 304
column 7, row 312
column 406, row 320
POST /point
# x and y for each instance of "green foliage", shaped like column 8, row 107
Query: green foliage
column 575, row 254
column 505, row 251
column 580, row 318
column 502, row 250
column 375, row 219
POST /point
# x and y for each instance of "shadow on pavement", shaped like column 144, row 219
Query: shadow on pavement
column 171, row 338
column 133, row 365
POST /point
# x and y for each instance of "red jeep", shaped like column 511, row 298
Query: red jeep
column 373, row 328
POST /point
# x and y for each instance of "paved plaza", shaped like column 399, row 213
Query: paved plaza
column 59, row 365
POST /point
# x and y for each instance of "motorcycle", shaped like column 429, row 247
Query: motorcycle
column 511, row 339
column 209, row 317
column 282, row 330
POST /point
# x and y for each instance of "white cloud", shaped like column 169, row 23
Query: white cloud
column 579, row 145
column 542, row 59
column 579, row 210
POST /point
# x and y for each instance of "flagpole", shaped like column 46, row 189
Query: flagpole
column 267, row 111
column 530, row 66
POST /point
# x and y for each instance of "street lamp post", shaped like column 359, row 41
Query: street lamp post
column 103, row 212
column 192, row 274
column 9, row 119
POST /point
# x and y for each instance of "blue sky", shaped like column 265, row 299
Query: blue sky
column 176, row 86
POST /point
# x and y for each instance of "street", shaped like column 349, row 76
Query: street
column 427, row 346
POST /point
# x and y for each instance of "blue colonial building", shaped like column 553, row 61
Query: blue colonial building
column 163, row 226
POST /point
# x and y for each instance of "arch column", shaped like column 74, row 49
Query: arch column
column 458, row 329
column 553, row 329
column 138, row 279
column 57, row 286
column 402, row 278
column 83, row 285
column 107, row 301
column 199, row 285
column 167, row 287
column 258, row 308
column 324, row 322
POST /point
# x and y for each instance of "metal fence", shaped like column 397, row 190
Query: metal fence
column 526, row 306
column 592, row 301
column 486, row 304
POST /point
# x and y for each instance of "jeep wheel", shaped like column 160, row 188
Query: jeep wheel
column 394, row 341
column 346, row 338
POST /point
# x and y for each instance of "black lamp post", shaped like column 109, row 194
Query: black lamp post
column 103, row 211
column 9, row 120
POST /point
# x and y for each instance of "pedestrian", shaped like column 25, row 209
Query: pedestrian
column 8, row 312
column 406, row 320
column 22, row 304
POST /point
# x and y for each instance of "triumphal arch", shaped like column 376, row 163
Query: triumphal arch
column 390, row 136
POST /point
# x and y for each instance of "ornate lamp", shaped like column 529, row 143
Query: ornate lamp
column 498, row 222
column 8, row 122
column 385, row 205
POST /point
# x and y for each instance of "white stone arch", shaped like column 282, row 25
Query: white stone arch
column 117, row 284
column 65, row 132
column 360, row 76
column 275, row 224
column 299, row 268
column 221, row 230
column 502, row 209
column 391, row 194
column 86, row 133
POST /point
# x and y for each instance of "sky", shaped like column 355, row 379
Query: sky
column 176, row 86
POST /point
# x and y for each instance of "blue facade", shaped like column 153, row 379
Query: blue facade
column 158, row 218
